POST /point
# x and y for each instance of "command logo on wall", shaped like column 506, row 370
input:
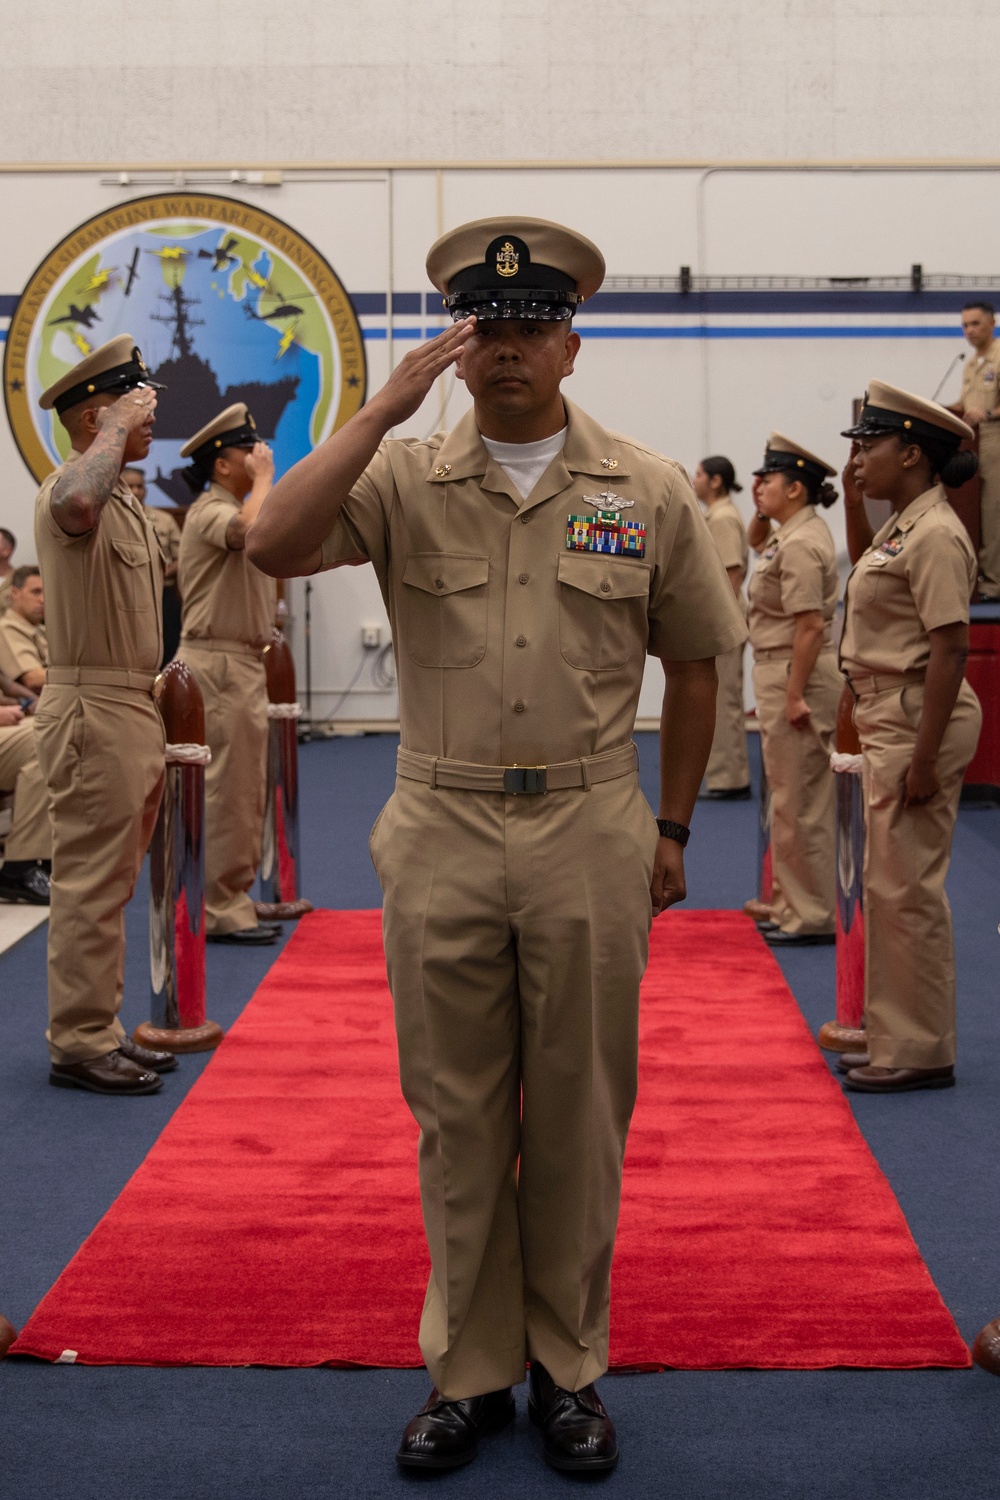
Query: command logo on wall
column 226, row 304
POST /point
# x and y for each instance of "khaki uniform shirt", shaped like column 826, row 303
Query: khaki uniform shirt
column 730, row 536
column 5, row 593
column 23, row 647
column 981, row 379
column 509, row 646
column 102, row 603
column 796, row 572
column 916, row 576
column 168, row 533
column 225, row 596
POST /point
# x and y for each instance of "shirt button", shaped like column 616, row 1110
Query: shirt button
column 519, row 707
column 605, row 587
column 522, row 640
column 439, row 583
column 522, row 577
column 525, row 520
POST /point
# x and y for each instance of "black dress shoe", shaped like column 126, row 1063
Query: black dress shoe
column 247, row 937
column 848, row 1060
column 25, row 881
column 445, row 1434
column 114, row 1073
column 153, row 1062
column 725, row 794
column 777, row 939
column 898, row 1080
column 578, row 1436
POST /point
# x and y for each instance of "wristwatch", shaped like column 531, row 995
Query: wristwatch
column 671, row 830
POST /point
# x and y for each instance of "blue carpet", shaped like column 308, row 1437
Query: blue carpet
column 138, row 1434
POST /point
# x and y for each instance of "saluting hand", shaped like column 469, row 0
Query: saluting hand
column 260, row 462
column 668, row 885
column 133, row 410
column 409, row 383
column 849, row 479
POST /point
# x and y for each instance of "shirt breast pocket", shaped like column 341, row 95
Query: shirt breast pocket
column 133, row 590
column 444, row 609
column 602, row 611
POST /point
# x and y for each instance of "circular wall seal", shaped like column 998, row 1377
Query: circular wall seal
column 226, row 303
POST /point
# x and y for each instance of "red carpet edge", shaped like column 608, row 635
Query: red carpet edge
column 276, row 1220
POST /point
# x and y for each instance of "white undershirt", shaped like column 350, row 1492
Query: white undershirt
column 525, row 463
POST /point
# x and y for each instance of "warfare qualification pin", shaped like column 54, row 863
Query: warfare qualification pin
column 607, row 501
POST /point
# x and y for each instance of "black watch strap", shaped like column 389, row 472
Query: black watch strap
column 671, row 830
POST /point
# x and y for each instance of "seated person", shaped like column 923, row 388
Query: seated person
column 8, row 544
column 24, row 649
column 27, row 862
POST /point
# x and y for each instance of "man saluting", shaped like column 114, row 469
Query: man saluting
column 529, row 561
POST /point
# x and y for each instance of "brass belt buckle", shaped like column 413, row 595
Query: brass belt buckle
column 521, row 781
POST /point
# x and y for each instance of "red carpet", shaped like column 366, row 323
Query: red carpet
column 276, row 1221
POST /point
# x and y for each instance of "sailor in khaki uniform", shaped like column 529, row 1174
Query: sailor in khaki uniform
column 903, row 650
column 168, row 534
column 793, row 597
column 727, row 775
column 27, row 850
column 8, row 546
column 979, row 406
column 24, row 647
column 100, row 738
column 228, row 618
column 529, row 560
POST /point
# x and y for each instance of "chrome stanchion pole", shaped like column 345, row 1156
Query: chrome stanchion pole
column 846, row 1033
column 177, row 877
column 281, row 844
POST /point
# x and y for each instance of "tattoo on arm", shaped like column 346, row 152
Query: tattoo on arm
column 82, row 491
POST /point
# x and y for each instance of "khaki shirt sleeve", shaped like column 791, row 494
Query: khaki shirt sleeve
column 727, row 534
column 360, row 531
column 693, row 612
column 213, row 522
column 9, row 657
column 938, row 573
column 43, row 509
column 802, row 570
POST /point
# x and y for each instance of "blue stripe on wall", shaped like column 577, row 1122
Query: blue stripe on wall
column 721, row 331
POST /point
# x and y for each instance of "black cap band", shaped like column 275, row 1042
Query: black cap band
column 508, row 278
column 117, row 380
column 779, row 461
column 876, row 421
column 244, row 436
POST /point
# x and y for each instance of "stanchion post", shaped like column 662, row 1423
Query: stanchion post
column 281, row 843
column 759, row 906
column 177, row 876
column 846, row 1033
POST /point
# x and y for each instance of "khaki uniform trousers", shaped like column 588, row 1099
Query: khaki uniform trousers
column 909, row 951
column 234, row 688
column 516, row 933
column 803, row 816
column 30, row 836
column 101, row 751
column 728, row 765
column 989, row 542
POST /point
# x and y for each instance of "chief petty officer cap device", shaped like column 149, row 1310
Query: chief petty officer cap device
column 782, row 456
column 113, row 369
column 888, row 409
column 515, row 268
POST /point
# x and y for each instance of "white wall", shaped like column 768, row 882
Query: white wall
column 460, row 80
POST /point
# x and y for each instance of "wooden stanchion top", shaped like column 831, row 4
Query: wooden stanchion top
column 280, row 669
column 182, row 708
column 847, row 736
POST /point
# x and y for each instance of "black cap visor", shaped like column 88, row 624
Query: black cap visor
column 779, row 461
column 878, row 421
column 115, row 382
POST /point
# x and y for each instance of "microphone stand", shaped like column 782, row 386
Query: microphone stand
column 956, row 361
column 306, row 735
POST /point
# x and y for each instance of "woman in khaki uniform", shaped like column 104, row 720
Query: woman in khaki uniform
column 903, row 651
column 793, row 596
column 727, row 775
